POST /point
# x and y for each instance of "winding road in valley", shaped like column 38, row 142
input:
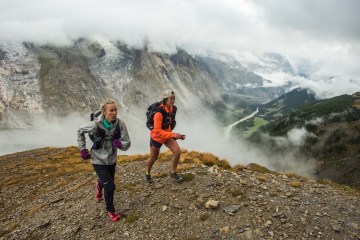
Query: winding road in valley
column 228, row 128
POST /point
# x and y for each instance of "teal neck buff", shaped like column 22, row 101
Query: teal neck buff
column 107, row 125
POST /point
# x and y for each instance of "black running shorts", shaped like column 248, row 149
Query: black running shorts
column 155, row 143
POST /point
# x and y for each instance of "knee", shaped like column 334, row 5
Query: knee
column 177, row 152
column 152, row 159
column 109, row 186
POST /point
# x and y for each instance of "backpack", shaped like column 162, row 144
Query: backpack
column 168, row 118
column 98, row 136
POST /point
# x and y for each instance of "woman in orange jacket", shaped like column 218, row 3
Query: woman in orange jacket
column 164, row 123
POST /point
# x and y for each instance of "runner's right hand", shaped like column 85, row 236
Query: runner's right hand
column 179, row 136
column 85, row 154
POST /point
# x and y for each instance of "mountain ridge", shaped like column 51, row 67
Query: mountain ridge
column 57, row 80
column 57, row 200
column 329, row 130
column 271, row 111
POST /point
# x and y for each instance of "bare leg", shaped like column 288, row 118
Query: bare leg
column 154, row 153
column 175, row 149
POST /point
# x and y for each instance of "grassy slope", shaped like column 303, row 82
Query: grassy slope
column 258, row 122
column 48, row 163
column 286, row 104
column 275, row 109
column 337, row 109
column 326, row 107
column 52, row 164
column 54, row 187
column 335, row 137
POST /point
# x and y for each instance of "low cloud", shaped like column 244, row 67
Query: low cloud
column 294, row 138
column 320, row 39
column 325, row 33
column 284, row 152
column 203, row 134
column 323, row 86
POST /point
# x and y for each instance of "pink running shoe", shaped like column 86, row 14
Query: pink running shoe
column 98, row 195
column 114, row 216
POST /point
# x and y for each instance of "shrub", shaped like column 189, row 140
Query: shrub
column 131, row 219
column 257, row 168
column 295, row 184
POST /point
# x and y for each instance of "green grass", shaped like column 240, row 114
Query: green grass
column 341, row 187
column 131, row 219
column 326, row 106
column 258, row 168
column 258, row 122
column 187, row 177
column 326, row 109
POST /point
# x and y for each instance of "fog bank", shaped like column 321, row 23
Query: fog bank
column 202, row 132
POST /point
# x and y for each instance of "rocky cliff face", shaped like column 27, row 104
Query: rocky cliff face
column 19, row 84
column 53, row 80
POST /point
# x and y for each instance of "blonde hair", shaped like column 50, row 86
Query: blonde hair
column 103, row 105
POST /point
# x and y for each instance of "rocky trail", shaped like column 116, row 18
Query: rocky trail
column 49, row 194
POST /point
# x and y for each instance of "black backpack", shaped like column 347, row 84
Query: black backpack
column 98, row 137
column 168, row 118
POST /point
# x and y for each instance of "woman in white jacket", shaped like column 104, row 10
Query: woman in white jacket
column 108, row 134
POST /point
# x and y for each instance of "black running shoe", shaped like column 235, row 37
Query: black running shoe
column 176, row 177
column 148, row 178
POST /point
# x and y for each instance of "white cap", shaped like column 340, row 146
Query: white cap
column 168, row 93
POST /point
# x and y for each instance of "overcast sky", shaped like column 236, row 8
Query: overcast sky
column 323, row 35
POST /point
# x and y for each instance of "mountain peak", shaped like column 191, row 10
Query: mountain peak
column 287, row 102
column 183, row 58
